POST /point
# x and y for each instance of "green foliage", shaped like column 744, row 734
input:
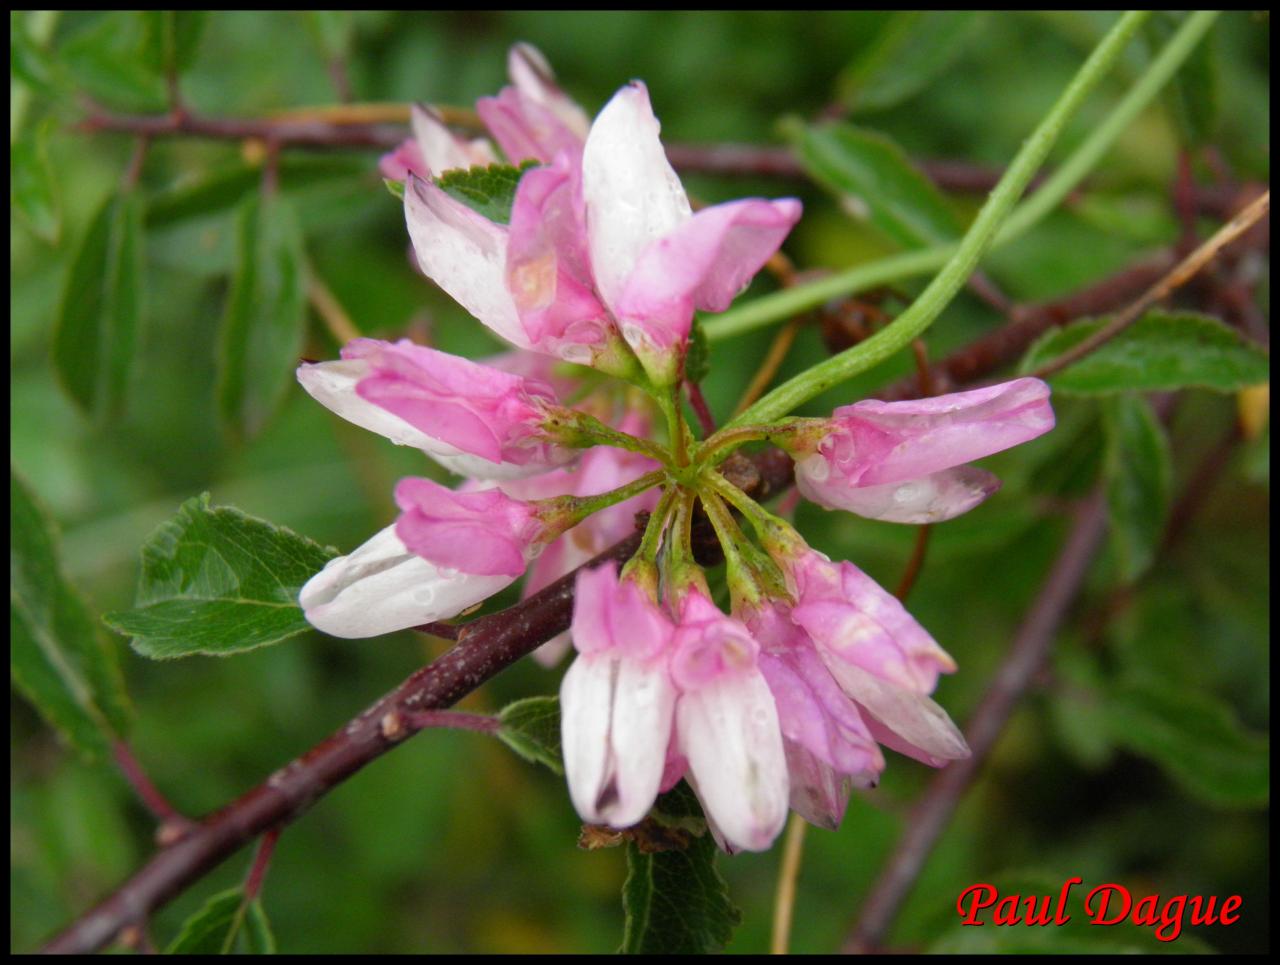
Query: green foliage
column 29, row 62
column 226, row 924
column 57, row 657
column 697, row 357
column 32, row 187
column 912, row 50
column 1160, row 352
column 218, row 581
column 107, row 59
column 1139, row 471
column 1196, row 738
column 676, row 902
column 531, row 728
column 1193, row 95
column 172, row 39
column 490, row 191
column 99, row 322
column 332, row 29
column 874, row 179
column 263, row 328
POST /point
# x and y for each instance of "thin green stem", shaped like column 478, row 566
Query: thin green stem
column 922, row 312
column 670, row 405
column 743, row 587
column 562, row 513
column 579, row 430
column 784, row 304
column 721, row 443
column 652, row 538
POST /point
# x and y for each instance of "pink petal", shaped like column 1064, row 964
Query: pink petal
column 926, row 499
column 703, row 263
column 632, row 195
column 525, row 129
column 547, row 269
column 914, row 718
column 483, row 532
column 404, row 160
column 533, row 77
column 465, row 254
column 819, row 794
column 895, row 441
column 474, row 408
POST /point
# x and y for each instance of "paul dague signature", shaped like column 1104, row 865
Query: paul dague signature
column 1168, row 917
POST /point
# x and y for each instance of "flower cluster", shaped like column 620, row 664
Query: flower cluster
column 786, row 701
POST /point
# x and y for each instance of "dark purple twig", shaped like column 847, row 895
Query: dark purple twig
column 1031, row 645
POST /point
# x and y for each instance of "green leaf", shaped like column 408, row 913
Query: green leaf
column 1139, row 479
column 57, row 657
column 395, row 188
column 1195, row 738
column 697, row 358
column 1192, row 95
column 215, row 192
column 226, row 923
column 875, row 180
column 32, row 186
column 676, row 902
column 531, row 728
column 489, row 191
column 911, row 50
column 29, row 62
column 1162, row 351
column 218, row 581
column 104, row 60
column 263, row 329
column 332, row 30
column 171, row 39
column 96, row 335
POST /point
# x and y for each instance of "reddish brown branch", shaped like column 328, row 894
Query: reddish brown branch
column 1027, row 653
column 485, row 647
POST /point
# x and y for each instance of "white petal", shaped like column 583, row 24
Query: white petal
column 382, row 587
column 615, row 724
column 928, row 499
column 730, row 735
column 465, row 254
column 912, row 716
column 642, row 717
column 441, row 148
column 631, row 193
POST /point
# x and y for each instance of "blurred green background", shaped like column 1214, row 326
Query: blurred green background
column 454, row 844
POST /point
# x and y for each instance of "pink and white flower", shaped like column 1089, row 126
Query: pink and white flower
column 533, row 118
column 433, row 149
column 448, row 551
column 883, row 660
column 474, row 419
column 616, row 700
column 904, row 461
column 602, row 246
column 727, row 725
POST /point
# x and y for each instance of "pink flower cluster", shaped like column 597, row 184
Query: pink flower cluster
column 788, row 703
column 784, row 703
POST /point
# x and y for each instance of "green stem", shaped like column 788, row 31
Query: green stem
column 652, row 538
column 791, row 301
column 578, row 430
column 743, row 587
column 670, row 405
column 911, row 323
column 562, row 513
column 720, row 444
